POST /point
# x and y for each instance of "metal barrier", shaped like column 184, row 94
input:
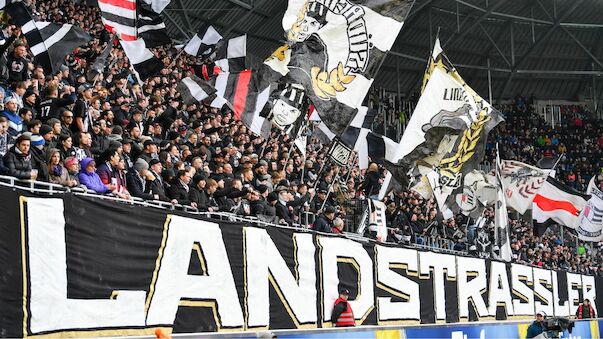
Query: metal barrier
column 40, row 187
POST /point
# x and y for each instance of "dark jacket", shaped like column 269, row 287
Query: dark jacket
column 179, row 192
column 38, row 161
column 322, row 224
column 17, row 164
column 371, row 184
column 156, row 187
column 282, row 212
column 534, row 329
column 199, row 197
column 137, row 185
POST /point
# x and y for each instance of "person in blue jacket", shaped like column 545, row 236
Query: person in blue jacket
column 537, row 326
column 90, row 179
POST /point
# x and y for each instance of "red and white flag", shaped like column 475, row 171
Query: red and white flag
column 558, row 203
column 522, row 183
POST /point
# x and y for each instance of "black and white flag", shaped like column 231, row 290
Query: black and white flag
column 4, row 3
column 157, row 5
column 230, row 57
column 369, row 145
column 335, row 49
column 151, row 27
column 204, row 43
column 101, row 61
column 195, row 90
column 144, row 62
column 50, row 43
column 119, row 17
column 247, row 95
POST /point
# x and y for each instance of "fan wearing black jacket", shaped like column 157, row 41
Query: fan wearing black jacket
column 179, row 188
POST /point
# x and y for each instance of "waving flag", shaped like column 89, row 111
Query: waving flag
column 448, row 128
column 590, row 221
column 48, row 42
column 119, row 17
column 335, row 48
column 204, row 42
column 522, row 183
column 144, row 62
column 558, row 203
column 231, row 56
column 151, row 27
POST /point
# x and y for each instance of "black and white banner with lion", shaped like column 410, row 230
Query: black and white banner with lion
column 79, row 267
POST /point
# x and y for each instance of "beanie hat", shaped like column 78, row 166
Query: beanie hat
column 37, row 140
column 45, row 129
column 141, row 165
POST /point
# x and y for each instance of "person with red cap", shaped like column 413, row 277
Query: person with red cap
column 342, row 315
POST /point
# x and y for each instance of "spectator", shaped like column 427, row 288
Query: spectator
column 337, row 226
column 15, row 122
column 90, row 179
column 18, row 159
column 65, row 146
column 324, row 223
column 58, row 173
column 4, row 137
column 372, row 184
column 73, row 168
column 585, row 310
column 179, row 189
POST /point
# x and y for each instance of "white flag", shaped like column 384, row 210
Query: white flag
column 501, row 217
column 522, row 183
column 590, row 222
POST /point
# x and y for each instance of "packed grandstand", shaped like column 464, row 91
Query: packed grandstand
column 106, row 134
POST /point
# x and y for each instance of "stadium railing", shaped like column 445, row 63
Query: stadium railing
column 45, row 188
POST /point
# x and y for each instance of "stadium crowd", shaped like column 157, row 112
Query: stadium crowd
column 107, row 133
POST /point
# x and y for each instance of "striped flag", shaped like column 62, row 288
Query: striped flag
column 230, row 57
column 203, row 44
column 142, row 59
column 151, row 27
column 195, row 90
column 50, row 43
column 558, row 203
column 247, row 96
column 119, row 17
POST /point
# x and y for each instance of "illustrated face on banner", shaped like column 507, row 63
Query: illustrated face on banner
column 310, row 20
column 283, row 114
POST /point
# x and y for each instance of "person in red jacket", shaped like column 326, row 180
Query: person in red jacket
column 585, row 310
column 342, row 315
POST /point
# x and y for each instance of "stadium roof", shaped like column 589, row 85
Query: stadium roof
column 551, row 49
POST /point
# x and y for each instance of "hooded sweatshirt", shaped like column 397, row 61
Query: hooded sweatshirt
column 91, row 180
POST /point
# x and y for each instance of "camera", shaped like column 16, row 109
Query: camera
column 554, row 326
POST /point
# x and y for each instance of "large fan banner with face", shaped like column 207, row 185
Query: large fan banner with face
column 334, row 50
column 80, row 267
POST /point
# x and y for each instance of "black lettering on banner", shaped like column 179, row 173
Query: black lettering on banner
column 187, row 274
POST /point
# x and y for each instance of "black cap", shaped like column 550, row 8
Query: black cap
column 154, row 162
column 344, row 291
column 262, row 188
column 272, row 197
column 149, row 142
column 126, row 141
column 199, row 177
column 330, row 209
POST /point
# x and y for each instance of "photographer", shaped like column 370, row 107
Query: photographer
column 537, row 327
